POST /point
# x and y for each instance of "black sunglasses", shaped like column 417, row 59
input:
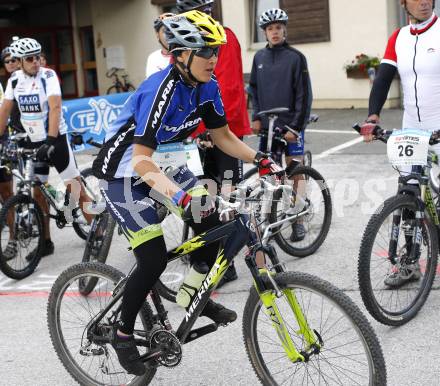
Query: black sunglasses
column 207, row 52
column 30, row 59
column 10, row 61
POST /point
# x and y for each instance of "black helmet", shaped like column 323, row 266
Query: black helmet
column 189, row 5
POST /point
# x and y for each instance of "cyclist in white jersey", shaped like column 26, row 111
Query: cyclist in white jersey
column 38, row 94
column 414, row 52
column 159, row 59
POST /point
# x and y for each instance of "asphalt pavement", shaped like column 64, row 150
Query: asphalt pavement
column 359, row 177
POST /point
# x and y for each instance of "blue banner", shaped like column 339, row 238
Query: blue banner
column 92, row 117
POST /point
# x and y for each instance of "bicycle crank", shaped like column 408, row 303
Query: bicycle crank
column 168, row 347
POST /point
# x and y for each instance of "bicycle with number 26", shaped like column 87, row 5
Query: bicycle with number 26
column 399, row 249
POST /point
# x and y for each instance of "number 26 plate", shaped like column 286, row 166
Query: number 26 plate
column 408, row 147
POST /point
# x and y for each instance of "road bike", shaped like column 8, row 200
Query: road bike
column 296, row 326
column 21, row 217
column 399, row 248
column 307, row 181
column 118, row 85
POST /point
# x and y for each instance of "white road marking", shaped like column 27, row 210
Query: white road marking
column 335, row 149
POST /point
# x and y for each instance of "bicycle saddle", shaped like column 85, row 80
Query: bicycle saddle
column 277, row 110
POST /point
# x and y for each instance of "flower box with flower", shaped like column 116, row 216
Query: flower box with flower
column 358, row 68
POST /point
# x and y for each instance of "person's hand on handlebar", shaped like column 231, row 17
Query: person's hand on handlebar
column 198, row 207
column 266, row 165
column 46, row 150
column 367, row 128
column 256, row 126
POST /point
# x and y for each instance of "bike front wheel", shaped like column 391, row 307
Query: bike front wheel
column 113, row 90
column 349, row 352
column 92, row 361
column 312, row 202
column 395, row 289
column 21, row 236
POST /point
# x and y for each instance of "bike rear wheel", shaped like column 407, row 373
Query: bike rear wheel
column 311, row 188
column 97, row 248
column 21, row 223
column 392, row 305
column 129, row 87
column 69, row 315
column 350, row 352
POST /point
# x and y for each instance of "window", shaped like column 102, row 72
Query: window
column 309, row 21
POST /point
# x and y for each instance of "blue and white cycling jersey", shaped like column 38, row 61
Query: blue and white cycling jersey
column 164, row 109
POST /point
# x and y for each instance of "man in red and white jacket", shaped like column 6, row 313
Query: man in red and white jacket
column 414, row 52
column 229, row 74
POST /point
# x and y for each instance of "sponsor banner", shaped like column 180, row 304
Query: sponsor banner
column 92, row 117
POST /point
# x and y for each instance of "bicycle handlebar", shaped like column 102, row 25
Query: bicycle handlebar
column 383, row 135
column 78, row 140
column 92, row 142
column 112, row 72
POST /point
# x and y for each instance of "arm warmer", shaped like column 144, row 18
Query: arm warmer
column 381, row 87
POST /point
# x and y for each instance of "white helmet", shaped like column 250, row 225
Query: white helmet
column 274, row 15
column 25, row 47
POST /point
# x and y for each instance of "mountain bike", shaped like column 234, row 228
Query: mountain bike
column 399, row 248
column 295, row 326
column 118, row 85
column 307, row 181
column 27, row 228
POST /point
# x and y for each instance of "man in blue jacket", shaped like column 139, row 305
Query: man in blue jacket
column 280, row 78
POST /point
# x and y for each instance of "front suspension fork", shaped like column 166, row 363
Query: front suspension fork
column 268, row 298
column 416, row 238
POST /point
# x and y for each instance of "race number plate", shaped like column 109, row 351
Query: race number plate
column 408, row 147
column 173, row 155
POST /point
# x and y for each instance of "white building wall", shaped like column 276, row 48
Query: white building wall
column 355, row 27
column 126, row 23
